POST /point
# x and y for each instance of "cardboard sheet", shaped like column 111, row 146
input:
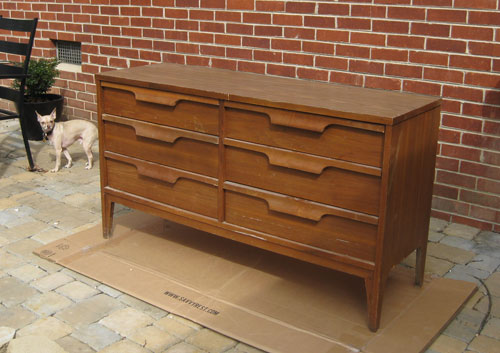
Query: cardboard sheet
column 272, row 302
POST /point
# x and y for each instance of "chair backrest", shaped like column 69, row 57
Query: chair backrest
column 14, row 47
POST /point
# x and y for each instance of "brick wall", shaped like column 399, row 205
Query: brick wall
column 448, row 48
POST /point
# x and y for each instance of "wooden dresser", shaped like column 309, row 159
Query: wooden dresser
column 335, row 175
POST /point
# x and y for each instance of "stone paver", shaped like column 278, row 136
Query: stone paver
column 126, row 321
column 6, row 334
column 77, row 291
column 49, row 304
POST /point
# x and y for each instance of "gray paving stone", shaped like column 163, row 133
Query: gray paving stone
column 492, row 328
column 484, row 344
column 147, row 308
column 184, row 347
column 77, row 291
column 8, row 261
column 176, row 327
column 14, row 292
column 458, row 242
column 211, row 341
column 437, row 225
column 450, row 253
column 34, row 344
column 52, row 281
column 73, row 345
column 6, row 334
column 126, row 321
column 124, row 346
column 493, row 283
column 243, row 348
column 466, row 325
column 47, row 304
column 488, row 243
column 89, row 311
column 461, row 272
column 448, row 344
column 27, row 273
column 153, row 338
column 435, row 237
column 23, row 248
column 16, row 317
column 109, row 291
column 96, row 336
column 81, row 278
column 24, row 230
column 461, row 230
column 485, row 263
column 49, row 327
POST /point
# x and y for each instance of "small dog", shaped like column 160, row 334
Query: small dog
column 63, row 134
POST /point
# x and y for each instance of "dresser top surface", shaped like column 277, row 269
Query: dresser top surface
column 364, row 104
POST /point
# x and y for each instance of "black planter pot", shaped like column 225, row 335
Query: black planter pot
column 33, row 129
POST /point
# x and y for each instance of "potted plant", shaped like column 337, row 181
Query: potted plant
column 42, row 76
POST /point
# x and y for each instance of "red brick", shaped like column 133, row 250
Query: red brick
column 492, row 97
column 174, row 58
column 333, row 9
column 330, row 62
column 162, row 23
column 491, row 18
column 390, row 26
column 492, row 158
column 430, row 29
column 239, row 28
column 202, row 15
column 211, row 4
column 455, row 179
column 174, row 13
column 228, row 16
column 299, row 33
column 353, row 23
column 136, row 11
column 487, row 185
column 450, row 45
column 318, row 47
column 239, row 53
column 286, row 44
column 422, row 87
column 448, row 136
column 445, row 75
column 224, row 64
column 248, row 66
column 312, row 74
column 471, row 32
column 262, row 18
column 484, row 80
column 263, row 43
column 462, row 123
column 492, row 127
column 383, row 83
column 187, row 48
column 406, row 13
column 446, row 15
column 368, row 11
column 402, row 41
column 150, row 55
column 162, row 45
column 153, row 33
column 142, row 44
column 484, row 213
column 212, row 27
column 445, row 191
column 403, row 70
column 165, row 3
column 451, row 106
column 480, row 198
column 447, row 163
column 320, row 22
column 271, row 6
column 300, row 7
column 110, row 51
column 240, row 4
column 187, row 3
column 212, row 50
column 464, row 93
column 487, row 111
column 287, row 20
column 480, row 170
column 346, row 78
column 389, row 54
column 470, row 62
column 366, row 67
column 176, row 35
column 226, row 39
column 482, row 141
column 268, row 31
column 352, row 51
column 267, row 55
column 477, row 4
column 450, row 206
column 201, row 37
column 326, row 35
column 471, row 222
column 441, row 215
column 299, row 59
column 132, row 32
column 281, row 70
column 197, row 60
column 471, row 154
column 366, row 38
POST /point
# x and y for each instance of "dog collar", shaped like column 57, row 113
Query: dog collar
column 47, row 134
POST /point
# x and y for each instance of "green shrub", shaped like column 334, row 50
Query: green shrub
column 42, row 75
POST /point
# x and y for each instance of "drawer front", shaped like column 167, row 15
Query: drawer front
column 354, row 141
column 170, row 186
column 324, row 231
column 285, row 174
column 174, row 147
column 166, row 108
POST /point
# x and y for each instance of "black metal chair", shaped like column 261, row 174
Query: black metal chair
column 13, row 68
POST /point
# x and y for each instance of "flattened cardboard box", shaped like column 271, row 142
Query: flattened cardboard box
column 266, row 300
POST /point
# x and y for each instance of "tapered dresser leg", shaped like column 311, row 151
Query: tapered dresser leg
column 374, row 297
column 420, row 265
column 108, row 207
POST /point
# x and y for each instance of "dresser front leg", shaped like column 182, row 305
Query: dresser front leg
column 420, row 265
column 108, row 208
column 374, row 297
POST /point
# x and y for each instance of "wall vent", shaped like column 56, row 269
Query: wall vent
column 69, row 52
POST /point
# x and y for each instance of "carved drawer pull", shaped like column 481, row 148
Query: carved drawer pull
column 160, row 132
column 160, row 97
column 159, row 172
column 301, row 161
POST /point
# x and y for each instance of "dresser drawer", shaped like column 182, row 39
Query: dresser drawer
column 300, row 175
column 300, row 221
column 320, row 135
column 166, row 108
column 188, row 191
column 174, row 147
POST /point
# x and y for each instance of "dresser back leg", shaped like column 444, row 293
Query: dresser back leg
column 108, row 207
